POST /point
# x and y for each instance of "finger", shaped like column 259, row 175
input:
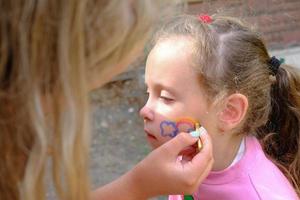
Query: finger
column 201, row 160
column 195, row 176
column 189, row 155
column 202, row 176
column 206, row 142
column 188, row 150
column 206, row 172
column 206, row 152
column 177, row 144
column 186, row 158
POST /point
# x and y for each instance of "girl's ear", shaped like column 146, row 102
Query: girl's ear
column 233, row 111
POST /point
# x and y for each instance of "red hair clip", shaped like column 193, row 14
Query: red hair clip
column 205, row 19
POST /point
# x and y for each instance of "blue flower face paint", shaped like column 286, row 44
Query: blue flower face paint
column 168, row 129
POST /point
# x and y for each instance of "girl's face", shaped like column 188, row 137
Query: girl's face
column 174, row 91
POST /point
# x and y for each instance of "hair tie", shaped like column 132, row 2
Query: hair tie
column 274, row 64
column 205, row 19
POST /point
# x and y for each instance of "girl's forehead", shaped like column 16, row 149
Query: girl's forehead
column 170, row 53
column 170, row 62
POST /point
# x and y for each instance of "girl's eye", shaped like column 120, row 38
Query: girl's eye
column 166, row 99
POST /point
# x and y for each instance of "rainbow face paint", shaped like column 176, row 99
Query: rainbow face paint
column 186, row 124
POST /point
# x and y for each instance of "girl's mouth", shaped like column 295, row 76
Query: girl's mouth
column 150, row 136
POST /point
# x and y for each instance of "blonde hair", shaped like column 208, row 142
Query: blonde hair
column 230, row 57
column 47, row 50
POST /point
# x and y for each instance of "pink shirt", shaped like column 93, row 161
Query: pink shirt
column 254, row 177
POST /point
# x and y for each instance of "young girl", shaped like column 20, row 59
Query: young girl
column 217, row 71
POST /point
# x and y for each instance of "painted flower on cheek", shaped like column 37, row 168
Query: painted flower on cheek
column 168, row 128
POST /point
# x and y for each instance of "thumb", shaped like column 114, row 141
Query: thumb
column 173, row 147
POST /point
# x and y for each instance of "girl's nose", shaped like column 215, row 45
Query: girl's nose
column 146, row 113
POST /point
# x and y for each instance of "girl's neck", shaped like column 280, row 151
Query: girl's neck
column 225, row 149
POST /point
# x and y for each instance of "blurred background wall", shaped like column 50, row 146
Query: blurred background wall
column 277, row 20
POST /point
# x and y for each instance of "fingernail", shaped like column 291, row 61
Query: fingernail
column 197, row 133
column 202, row 131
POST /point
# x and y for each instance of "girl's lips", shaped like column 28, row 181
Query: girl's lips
column 150, row 136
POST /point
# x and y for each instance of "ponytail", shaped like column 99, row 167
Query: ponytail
column 280, row 137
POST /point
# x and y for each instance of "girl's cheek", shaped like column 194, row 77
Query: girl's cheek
column 165, row 111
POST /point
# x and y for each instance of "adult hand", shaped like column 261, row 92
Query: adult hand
column 162, row 173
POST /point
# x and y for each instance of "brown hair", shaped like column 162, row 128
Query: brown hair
column 47, row 52
column 230, row 57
